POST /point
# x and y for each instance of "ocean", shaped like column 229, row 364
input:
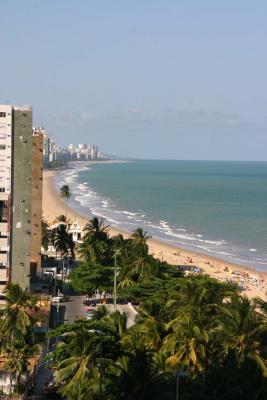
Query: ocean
column 215, row 208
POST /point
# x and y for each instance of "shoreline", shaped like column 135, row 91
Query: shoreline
column 253, row 282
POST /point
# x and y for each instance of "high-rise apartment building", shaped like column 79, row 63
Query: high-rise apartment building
column 5, row 191
column 37, row 194
column 17, row 173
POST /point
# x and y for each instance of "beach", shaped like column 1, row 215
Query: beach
column 252, row 282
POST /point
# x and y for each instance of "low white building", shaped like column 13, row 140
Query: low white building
column 73, row 227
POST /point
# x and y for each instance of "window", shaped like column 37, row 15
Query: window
column 2, row 190
column 2, row 114
column 3, row 211
column 2, row 146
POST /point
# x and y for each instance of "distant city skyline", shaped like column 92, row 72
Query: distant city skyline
column 154, row 79
column 54, row 152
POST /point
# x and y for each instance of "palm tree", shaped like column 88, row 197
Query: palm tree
column 117, row 323
column 63, row 242
column 18, row 360
column 65, row 193
column 150, row 322
column 142, row 268
column 74, row 370
column 96, row 229
column 139, row 239
column 93, row 250
column 244, row 331
column 95, row 246
column 46, row 235
column 135, row 374
column 188, row 342
column 61, row 218
column 16, row 317
column 85, row 351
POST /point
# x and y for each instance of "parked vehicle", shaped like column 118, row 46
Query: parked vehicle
column 60, row 298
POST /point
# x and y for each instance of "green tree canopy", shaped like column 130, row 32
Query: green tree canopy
column 89, row 276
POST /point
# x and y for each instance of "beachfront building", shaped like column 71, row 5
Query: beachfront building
column 19, row 256
column 51, row 150
column 81, row 152
column 73, row 227
column 37, row 195
column 53, row 154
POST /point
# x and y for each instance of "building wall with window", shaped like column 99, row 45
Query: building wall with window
column 21, row 173
column 5, row 192
column 21, row 199
column 37, row 193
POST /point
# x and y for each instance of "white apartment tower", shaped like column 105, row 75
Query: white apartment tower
column 5, row 191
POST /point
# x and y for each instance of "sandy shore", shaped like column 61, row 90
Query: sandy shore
column 253, row 283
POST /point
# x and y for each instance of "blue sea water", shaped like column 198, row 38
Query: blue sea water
column 216, row 208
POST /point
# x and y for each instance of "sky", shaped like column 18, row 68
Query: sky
column 161, row 79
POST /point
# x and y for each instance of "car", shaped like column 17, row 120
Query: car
column 60, row 298
column 90, row 303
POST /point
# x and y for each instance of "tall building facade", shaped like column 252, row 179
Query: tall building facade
column 16, row 193
column 37, row 195
column 5, row 192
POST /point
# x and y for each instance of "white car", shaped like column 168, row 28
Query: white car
column 60, row 298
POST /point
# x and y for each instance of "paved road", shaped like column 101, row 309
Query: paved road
column 67, row 313
column 75, row 308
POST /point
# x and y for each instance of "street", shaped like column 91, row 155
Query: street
column 68, row 312
column 74, row 308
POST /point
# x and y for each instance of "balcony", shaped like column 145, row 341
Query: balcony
column 3, row 258
column 2, row 301
column 3, row 274
column 3, row 196
column 3, row 243
column 3, row 227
